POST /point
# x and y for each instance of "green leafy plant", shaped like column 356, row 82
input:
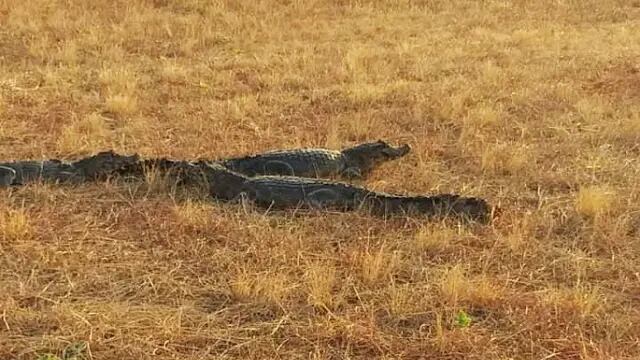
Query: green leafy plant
column 73, row 351
column 48, row 357
column 463, row 319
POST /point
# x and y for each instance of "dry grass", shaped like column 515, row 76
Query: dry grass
column 531, row 104
column 14, row 225
column 595, row 201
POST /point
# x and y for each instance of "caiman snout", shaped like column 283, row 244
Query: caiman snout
column 400, row 151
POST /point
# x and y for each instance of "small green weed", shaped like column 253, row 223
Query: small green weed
column 48, row 357
column 463, row 319
column 73, row 351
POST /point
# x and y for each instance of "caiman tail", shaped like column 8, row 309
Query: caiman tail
column 440, row 205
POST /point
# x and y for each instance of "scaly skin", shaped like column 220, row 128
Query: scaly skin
column 292, row 192
column 285, row 192
column 99, row 166
column 280, row 192
column 354, row 162
column 23, row 172
column 106, row 164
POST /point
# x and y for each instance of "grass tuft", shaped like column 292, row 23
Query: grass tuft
column 121, row 104
column 435, row 238
column 89, row 134
column 377, row 266
column 15, row 225
column 594, row 201
column 320, row 280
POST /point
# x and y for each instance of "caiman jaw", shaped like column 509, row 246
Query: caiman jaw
column 400, row 151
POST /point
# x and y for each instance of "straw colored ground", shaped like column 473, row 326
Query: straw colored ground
column 534, row 105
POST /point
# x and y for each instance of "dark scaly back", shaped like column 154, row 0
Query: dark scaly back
column 307, row 162
column 247, row 165
column 105, row 164
column 290, row 192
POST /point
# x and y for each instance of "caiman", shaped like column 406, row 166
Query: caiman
column 268, row 191
column 96, row 167
column 288, row 192
column 353, row 162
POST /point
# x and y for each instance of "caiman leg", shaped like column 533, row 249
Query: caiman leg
column 7, row 176
column 327, row 199
column 279, row 167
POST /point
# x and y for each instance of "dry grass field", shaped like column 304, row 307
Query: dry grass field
column 534, row 105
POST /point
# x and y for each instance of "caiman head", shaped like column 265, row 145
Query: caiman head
column 108, row 163
column 363, row 158
column 223, row 183
column 473, row 208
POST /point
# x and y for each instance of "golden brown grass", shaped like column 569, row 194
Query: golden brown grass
column 531, row 104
